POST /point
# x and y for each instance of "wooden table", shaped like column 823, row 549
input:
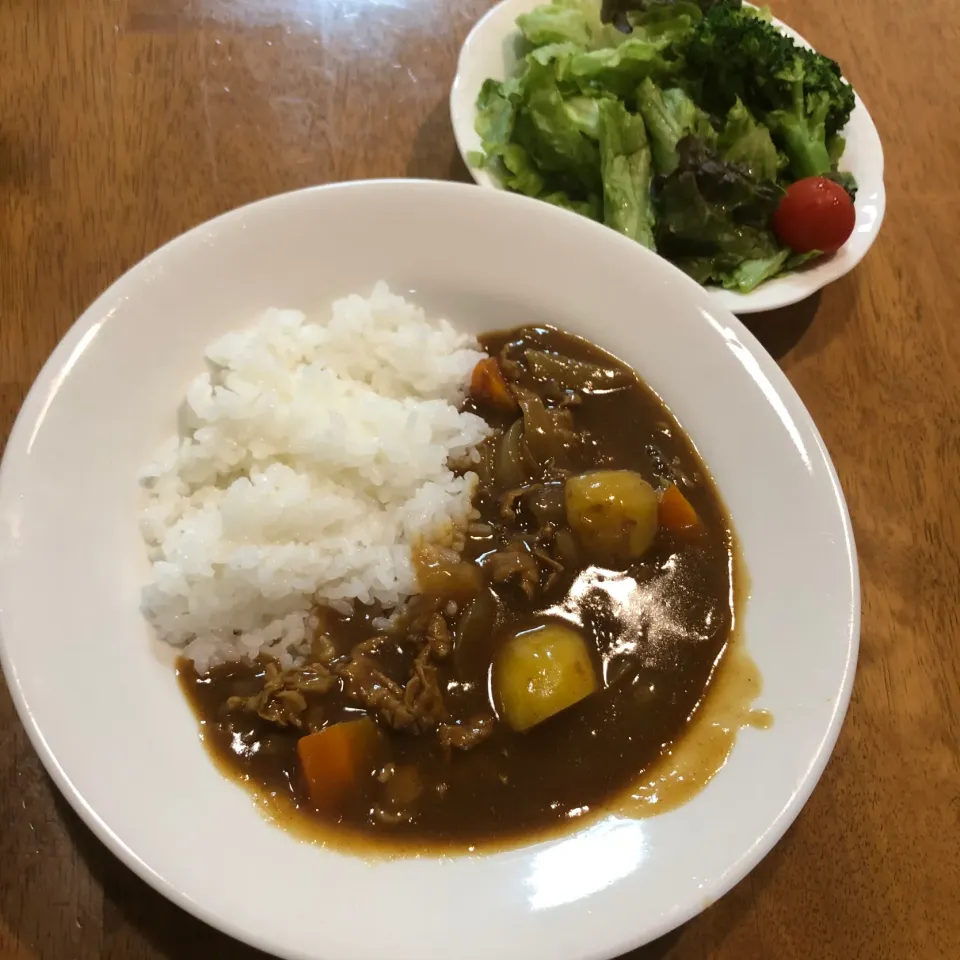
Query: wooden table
column 124, row 122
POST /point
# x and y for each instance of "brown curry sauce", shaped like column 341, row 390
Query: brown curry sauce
column 675, row 684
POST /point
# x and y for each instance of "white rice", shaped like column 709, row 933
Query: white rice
column 312, row 458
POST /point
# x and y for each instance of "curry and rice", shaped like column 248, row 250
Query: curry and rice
column 433, row 589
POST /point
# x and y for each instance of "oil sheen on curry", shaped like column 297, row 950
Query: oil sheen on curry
column 544, row 666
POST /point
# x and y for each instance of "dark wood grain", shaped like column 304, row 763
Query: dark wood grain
column 124, row 122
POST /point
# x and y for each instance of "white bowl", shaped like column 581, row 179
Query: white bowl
column 109, row 721
column 491, row 51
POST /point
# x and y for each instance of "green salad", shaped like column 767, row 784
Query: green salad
column 695, row 128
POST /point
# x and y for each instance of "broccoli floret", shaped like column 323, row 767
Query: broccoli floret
column 800, row 94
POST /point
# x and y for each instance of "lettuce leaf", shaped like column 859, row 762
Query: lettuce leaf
column 568, row 21
column 711, row 208
column 592, row 207
column 670, row 115
column 627, row 173
column 557, row 134
column 745, row 141
column 751, row 273
column 618, row 70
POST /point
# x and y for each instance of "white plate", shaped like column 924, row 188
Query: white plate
column 105, row 713
column 491, row 51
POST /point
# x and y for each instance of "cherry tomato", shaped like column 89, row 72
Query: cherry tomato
column 815, row 214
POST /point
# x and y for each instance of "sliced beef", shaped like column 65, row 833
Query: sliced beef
column 465, row 736
column 282, row 699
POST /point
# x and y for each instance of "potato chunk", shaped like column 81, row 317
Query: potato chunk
column 441, row 573
column 540, row 672
column 613, row 512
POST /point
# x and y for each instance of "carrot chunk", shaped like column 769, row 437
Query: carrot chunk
column 333, row 759
column 677, row 513
column 487, row 386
